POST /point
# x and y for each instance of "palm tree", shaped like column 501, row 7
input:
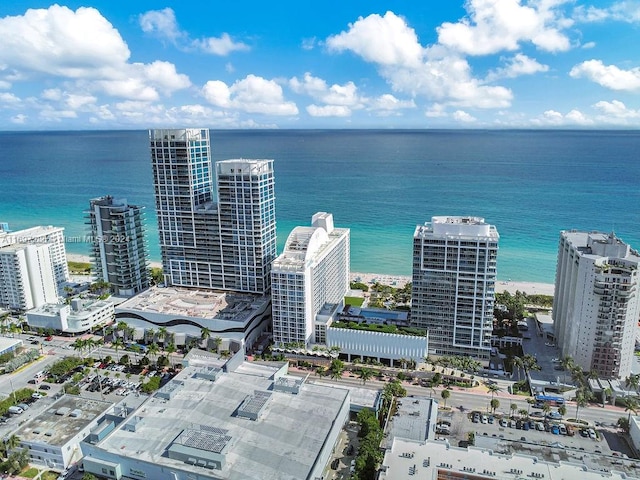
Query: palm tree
column 365, row 374
column 122, row 326
column 513, row 407
column 11, row 443
column 153, row 350
column 582, row 398
column 162, row 335
column 606, row 392
column 117, row 344
column 445, row 394
column 632, row 381
column 493, row 388
column 562, row 410
column 517, row 364
column 336, row 369
column 171, row 349
column 79, row 345
column 216, row 343
column 630, row 404
column 151, row 335
column 495, row 403
column 546, row 408
column 205, row 333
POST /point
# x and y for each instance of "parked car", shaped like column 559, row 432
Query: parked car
column 503, row 422
column 555, row 416
column 555, row 429
column 592, row 434
column 45, row 387
column 563, row 430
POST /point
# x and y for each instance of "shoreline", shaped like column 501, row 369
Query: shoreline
column 77, row 257
column 396, row 281
column 399, row 281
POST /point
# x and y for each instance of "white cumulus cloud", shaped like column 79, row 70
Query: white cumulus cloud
column 609, row 76
column 433, row 72
column 328, row 110
column 616, row 110
column 496, row 25
column 386, row 40
column 163, row 24
column 518, row 65
column 557, row 119
column 462, row 116
column 81, row 46
column 252, row 94
column 623, row 11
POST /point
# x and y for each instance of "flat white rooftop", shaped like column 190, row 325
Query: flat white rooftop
column 408, row 460
column 62, row 421
column 283, row 443
column 195, row 303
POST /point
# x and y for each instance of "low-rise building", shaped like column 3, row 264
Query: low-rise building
column 378, row 345
column 81, row 315
column 53, row 437
column 235, row 420
column 409, row 459
column 237, row 318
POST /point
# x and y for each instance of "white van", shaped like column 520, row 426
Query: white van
column 15, row 410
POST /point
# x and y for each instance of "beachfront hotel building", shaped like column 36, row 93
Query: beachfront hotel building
column 224, row 239
column 118, row 249
column 54, row 237
column 27, row 277
column 596, row 307
column 309, row 281
column 454, row 276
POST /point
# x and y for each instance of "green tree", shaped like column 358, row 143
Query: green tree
column 162, row 335
column 513, row 408
column 153, row 350
column 495, row 403
column 581, row 400
column 493, row 388
column 117, row 344
column 562, row 410
column 205, row 333
column 630, row 404
column 171, row 349
column 445, row 394
column 89, row 476
column 336, row 369
column 365, row 374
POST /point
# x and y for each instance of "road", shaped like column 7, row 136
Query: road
column 476, row 400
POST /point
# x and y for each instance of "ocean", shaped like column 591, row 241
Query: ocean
column 379, row 183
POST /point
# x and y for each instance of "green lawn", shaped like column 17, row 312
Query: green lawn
column 354, row 301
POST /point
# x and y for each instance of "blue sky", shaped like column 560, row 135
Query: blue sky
column 357, row 64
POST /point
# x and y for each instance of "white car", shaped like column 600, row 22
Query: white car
column 36, row 395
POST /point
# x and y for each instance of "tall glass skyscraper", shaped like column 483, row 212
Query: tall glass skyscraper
column 119, row 248
column 223, row 240
column 454, row 276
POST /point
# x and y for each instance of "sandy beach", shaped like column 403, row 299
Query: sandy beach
column 399, row 281
column 75, row 257
column 396, row 281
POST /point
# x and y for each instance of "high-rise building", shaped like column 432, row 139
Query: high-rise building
column 54, row 237
column 453, row 292
column 310, row 278
column 27, row 278
column 228, row 244
column 595, row 306
column 119, row 249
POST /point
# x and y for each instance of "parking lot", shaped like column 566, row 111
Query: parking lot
column 536, row 430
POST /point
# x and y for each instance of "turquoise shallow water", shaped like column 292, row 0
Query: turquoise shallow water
column 530, row 184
